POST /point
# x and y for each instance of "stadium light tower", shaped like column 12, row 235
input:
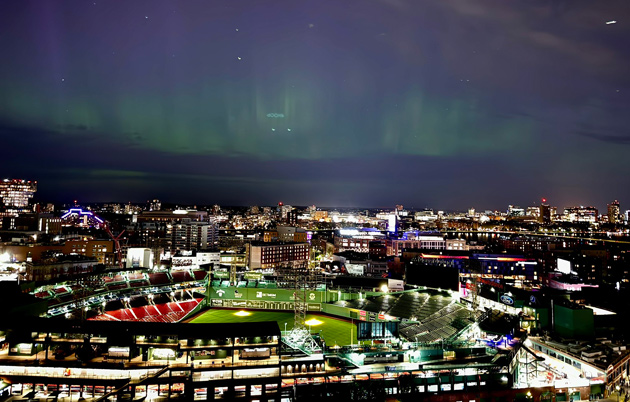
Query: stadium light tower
column 302, row 279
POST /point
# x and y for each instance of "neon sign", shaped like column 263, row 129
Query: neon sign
column 81, row 212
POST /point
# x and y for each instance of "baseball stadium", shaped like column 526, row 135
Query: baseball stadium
column 295, row 337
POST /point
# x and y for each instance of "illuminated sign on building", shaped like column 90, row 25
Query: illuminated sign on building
column 505, row 299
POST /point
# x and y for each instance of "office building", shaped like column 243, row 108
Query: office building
column 193, row 235
column 271, row 255
column 581, row 214
column 420, row 243
column 614, row 215
column 545, row 213
column 16, row 195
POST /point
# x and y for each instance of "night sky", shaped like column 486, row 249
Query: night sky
column 446, row 104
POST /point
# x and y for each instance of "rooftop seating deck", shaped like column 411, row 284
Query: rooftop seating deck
column 159, row 278
column 135, row 276
column 118, row 286
column 200, row 275
column 181, row 276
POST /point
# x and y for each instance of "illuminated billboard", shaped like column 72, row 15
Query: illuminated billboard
column 564, row 266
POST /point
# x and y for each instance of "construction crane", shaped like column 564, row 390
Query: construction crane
column 88, row 217
column 116, row 239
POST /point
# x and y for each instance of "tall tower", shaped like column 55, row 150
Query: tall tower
column 545, row 212
column 613, row 212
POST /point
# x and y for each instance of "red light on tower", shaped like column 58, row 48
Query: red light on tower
column 544, row 200
column 280, row 203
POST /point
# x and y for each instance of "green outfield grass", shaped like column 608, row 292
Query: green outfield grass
column 334, row 331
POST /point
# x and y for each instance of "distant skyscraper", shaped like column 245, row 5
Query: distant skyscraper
column 292, row 217
column 16, row 194
column 155, row 205
column 545, row 212
column 613, row 212
column 282, row 211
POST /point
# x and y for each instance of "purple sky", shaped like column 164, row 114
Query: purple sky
column 447, row 104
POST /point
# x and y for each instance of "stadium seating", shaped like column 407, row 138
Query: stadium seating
column 181, row 276
column 117, row 286
column 200, row 275
column 438, row 325
column 161, row 298
column 138, row 301
column 435, row 315
column 167, row 312
column 135, row 276
column 138, row 283
column 60, row 290
column 159, row 278
column 141, row 312
column 113, row 305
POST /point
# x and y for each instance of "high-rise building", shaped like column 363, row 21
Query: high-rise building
column 283, row 211
column 613, row 212
column 545, row 212
column 192, row 235
column 292, row 217
column 16, row 194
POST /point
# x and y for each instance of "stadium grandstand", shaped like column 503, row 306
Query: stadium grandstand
column 426, row 316
column 172, row 311
column 134, row 295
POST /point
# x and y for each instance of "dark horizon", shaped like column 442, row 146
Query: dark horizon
column 84, row 202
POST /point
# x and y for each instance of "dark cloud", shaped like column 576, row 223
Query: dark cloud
column 614, row 139
column 73, row 127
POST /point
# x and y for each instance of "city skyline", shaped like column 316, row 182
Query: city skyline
column 24, row 195
column 452, row 104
